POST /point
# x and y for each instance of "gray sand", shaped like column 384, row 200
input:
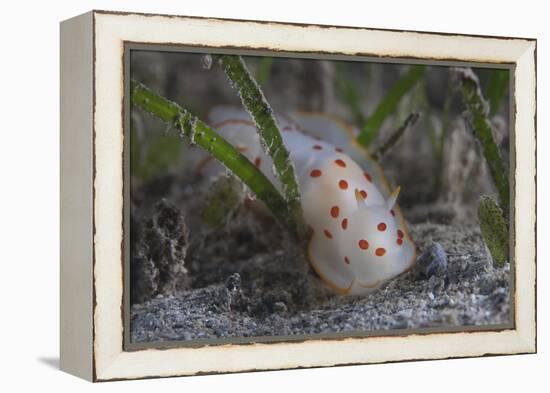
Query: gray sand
column 270, row 293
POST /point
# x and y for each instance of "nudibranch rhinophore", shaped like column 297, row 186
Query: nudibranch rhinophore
column 359, row 237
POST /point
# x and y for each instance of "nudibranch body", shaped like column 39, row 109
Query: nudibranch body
column 359, row 238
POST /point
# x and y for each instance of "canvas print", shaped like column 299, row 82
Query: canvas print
column 274, row 197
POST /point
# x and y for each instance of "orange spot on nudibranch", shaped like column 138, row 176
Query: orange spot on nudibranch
column 400, row 233
column 363, row 194
column 328, row 234
column 318, row 147
column 340, row 163
column 399, row 241
column 345, row 224
column 380, row 251
column 363, row 244
column 258, row 161
column 315, row 173
column 382, row 227
column 343, row 184
column 334, row 211
column 346, row 259
column 367, row 176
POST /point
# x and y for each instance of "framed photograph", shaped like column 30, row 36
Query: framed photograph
column 249, row 195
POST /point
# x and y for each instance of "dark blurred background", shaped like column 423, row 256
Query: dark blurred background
column 437, row 163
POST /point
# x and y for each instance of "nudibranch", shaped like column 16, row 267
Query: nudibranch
column 359, row 237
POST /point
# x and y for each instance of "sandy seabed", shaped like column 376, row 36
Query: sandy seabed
column 269, row 294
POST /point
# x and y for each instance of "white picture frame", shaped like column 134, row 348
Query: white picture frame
column 92, row 194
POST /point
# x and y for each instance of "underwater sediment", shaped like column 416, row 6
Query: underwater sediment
column 243, row 286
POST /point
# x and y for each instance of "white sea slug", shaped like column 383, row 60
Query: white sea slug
column 359, row 238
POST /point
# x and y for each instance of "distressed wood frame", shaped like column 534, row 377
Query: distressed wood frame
column 92, row 193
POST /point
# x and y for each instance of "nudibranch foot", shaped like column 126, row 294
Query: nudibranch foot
column 339, row 281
